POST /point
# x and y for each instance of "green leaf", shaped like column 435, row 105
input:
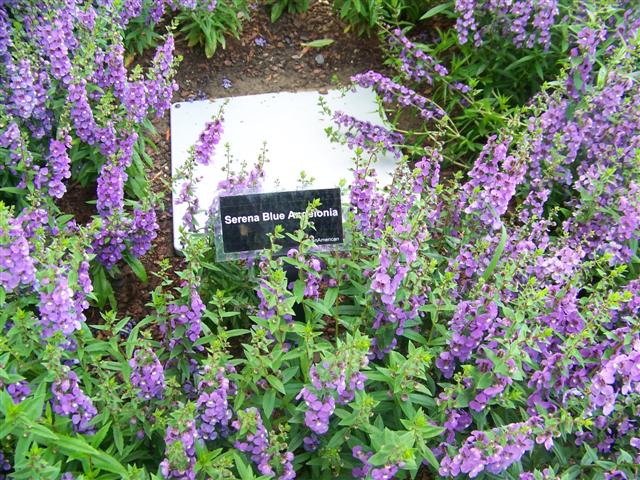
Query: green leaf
column 136, row 266
column 14, row 190
column 436, row 10
column 298, row 290
column 496, row 255
column 431, row 458
column 322, row 42
column 118, row 438
column 330, row 297
column 277, row 10
column 79, row 448
column 243, row 469
column 276, row 383
column 268, row 402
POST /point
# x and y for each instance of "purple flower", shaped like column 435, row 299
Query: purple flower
column 147, row 374
column 143, row 231
column 19, row 391
column 159, row 84
column 109, row 241
column 57, row 170
column 5, row 466
column 186, row 316
column 180, row 452
column 16, row 264
column 391, row 91
column 368, row 136
column 213, row 402
column 255, row 440
column 209, row 138
column 226, row 83
column 492, row 451
column 52, row 38
column 415, row 64
column 81, row 113
column 21, row 84
column 69, row 400
column 61, row 308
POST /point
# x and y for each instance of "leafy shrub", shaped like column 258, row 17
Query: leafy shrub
column 209, row 26
column 278, row 7
column 483, row 326
column 361, row 16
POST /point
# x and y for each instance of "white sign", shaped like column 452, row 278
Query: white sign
column 293, row 127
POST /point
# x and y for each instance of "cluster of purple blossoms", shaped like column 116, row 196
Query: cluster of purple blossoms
column 144, row 230
column 5, row 36
column 187, row 316
column 311, row 276
column 161, row 86
column 492, row 182
column 415, row 63
column 187, row 195
column 484, row 395
column 367, row 202
column 619, row 375
column 21, row 83
column 472, row 322
column 54, row 44
column 147, row 374
column 70, row 401
column 206, row 144
column 585, row 53
column 112, row 178
column 109, row 243
column 243, row 180
column 318, row 411
column 385, row 215
column 466, row 24
column 12, row 140
column 270, row 298
column 367, row 136
column 255, row 441
column 19, row 391
column 586, row 147
column 214, row 412
column 81, row 113
column 458, row 421
column 368, row 471
column 16, row 265
column 131, row 9
column 57, row 170
column 61, row 308
column 527, row 22
column 492, row 451
column 180, row 453
column 333, row 382
column 391, row 92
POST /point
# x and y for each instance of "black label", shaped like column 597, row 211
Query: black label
column 248, row 219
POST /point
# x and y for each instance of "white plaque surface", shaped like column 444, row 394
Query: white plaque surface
column 293, row 127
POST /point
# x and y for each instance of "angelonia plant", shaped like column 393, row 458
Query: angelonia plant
column 482, row 322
